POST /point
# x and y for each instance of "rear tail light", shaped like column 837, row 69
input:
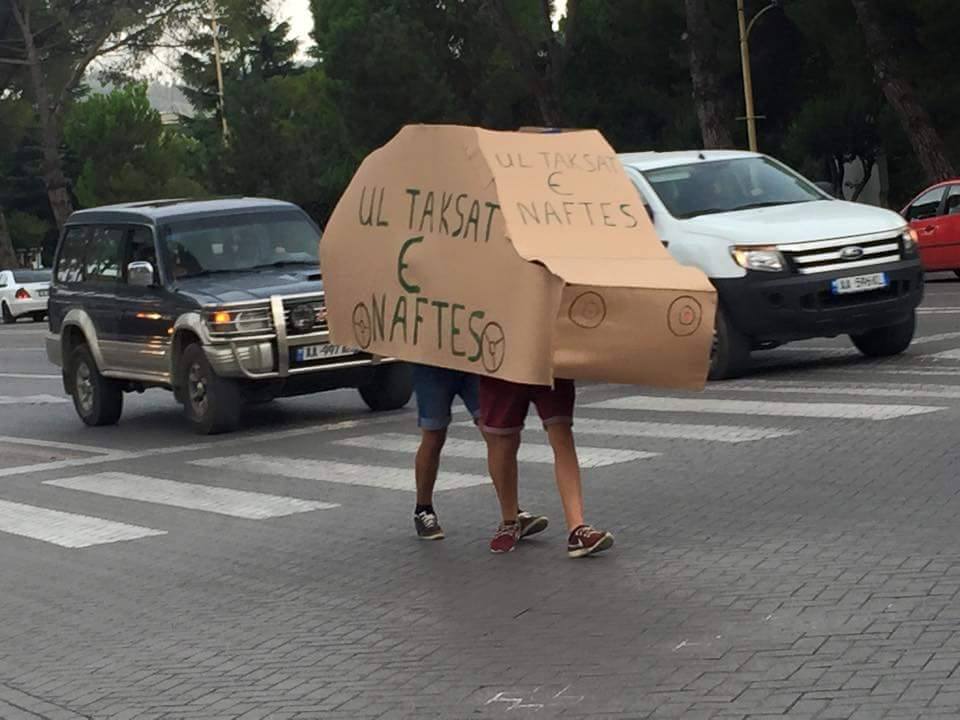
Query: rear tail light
column 22, row 294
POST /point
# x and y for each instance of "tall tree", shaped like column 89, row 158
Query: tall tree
column 709, row 97
column 56, row 42
column 927, row 142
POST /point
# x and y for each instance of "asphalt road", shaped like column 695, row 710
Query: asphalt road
column 787, row 546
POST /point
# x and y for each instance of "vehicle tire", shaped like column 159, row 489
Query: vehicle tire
column 886, row 341
column 730, row 352
column 211, row 403
column 390, row 389
column 8, row 318
column 957, row 273
column 39, row 317
column 97, row 400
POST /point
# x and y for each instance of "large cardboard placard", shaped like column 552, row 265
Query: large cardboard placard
column 522, row 256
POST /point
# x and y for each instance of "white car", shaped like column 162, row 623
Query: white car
column 24, row 293
column 789, row 261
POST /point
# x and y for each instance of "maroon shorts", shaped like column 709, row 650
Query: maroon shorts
column 504, row 404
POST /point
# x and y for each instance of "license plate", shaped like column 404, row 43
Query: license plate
column 43, row 293
column 860, row 283
column 320, row 352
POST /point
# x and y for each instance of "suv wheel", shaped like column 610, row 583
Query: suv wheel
column 886, row 341
column 98, row 400
column 8, row 318
column 730, row 352
column 211, row 403
column 390, row 389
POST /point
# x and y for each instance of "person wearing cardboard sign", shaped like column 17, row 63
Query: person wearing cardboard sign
column 504, row 406
column 436, row 389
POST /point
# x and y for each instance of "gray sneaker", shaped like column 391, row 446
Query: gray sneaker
column 428, row 527
column 531, row 524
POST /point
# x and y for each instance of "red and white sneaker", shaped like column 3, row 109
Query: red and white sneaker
column 531, row 524
column 586, row 540
column 506, row 538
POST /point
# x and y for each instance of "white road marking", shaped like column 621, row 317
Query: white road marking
column 900, row 390
column 29, row 376
column 848, row 411
column 237, row 439
column 878, row 370
column 678, row 431
column 53, row 444
column 477, row 450
column 32, row 400
column 935, row 338
column 938, row 311
column 66, row 529
column 191, row 496
column 948, row 355
column 388, row 478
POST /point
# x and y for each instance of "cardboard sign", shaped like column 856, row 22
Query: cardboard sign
column 522, row 256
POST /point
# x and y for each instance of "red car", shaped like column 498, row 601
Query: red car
column 935, row 216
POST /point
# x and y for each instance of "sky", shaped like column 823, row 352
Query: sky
column 297, row 12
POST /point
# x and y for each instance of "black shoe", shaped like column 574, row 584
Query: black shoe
column 531, row 524
column 428, row 527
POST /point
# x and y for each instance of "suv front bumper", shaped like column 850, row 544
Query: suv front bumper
column 785, row 307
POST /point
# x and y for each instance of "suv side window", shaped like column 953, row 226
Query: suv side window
column 69, row 268
column 926, row 206
column 140, row 248
column 104, row 254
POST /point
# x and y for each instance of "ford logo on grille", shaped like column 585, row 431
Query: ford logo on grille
column 302, row 317
column 852, row 253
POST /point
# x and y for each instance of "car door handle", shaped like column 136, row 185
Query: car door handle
column 929, row 228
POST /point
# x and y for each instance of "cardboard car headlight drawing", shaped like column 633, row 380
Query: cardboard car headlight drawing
column 522, row 256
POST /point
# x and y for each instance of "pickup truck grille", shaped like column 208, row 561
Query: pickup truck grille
column 843, row 253
column 296, row 312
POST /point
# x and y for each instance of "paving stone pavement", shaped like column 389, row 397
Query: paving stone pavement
column 809, row 574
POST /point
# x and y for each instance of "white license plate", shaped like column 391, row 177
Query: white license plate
column 321, row 352
column 43, row 293
column 860, row 283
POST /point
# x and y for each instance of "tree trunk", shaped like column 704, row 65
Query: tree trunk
column 8, row 257
column 54, row 178
column 707, row 93
column 927, row 142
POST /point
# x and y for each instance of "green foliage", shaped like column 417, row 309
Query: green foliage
column 27, row 231
column 125, row 152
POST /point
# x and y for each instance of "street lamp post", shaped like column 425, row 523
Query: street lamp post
column 745, row 30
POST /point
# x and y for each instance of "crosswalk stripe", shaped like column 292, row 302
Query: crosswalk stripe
column 388, row 478
column 32, row 400
column 678, row 431
column 848, row 411
column 477, row 450
column 191, row 496
column 948, row 355
column 66, row 529
column 900, row 391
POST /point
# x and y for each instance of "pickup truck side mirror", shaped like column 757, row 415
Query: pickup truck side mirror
column 140, row 274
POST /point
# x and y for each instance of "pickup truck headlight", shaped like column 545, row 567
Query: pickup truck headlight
column 246, row 321
column 909, row 239
column 764, row 259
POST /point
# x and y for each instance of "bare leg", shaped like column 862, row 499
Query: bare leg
column 428, row 464
column 567, row 470
column 502, row 461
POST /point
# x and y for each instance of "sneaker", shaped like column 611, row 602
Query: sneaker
column 428, row 527
column 505, row 540
column 586, row 540
column 531, row 524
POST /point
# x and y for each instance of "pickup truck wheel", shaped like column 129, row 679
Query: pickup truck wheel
column 211, row 403
column 8, row 318
column 886, row 341
column 390, row 389
column 730, row 352
column 98, row 400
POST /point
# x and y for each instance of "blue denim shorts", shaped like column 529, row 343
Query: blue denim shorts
column 436, row 389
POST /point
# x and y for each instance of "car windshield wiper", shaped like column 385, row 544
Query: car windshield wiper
column 284, row 263
column 752, row 206
column 207, row 273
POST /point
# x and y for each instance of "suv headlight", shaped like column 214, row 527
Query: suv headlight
column 764, row 259
column 909, row 239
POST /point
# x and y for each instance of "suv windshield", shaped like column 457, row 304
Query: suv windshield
column 31, row 276
column 242, row 242
column 729, row 185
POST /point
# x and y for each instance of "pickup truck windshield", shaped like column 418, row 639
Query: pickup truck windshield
column 240, row 243
column 728, row 186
